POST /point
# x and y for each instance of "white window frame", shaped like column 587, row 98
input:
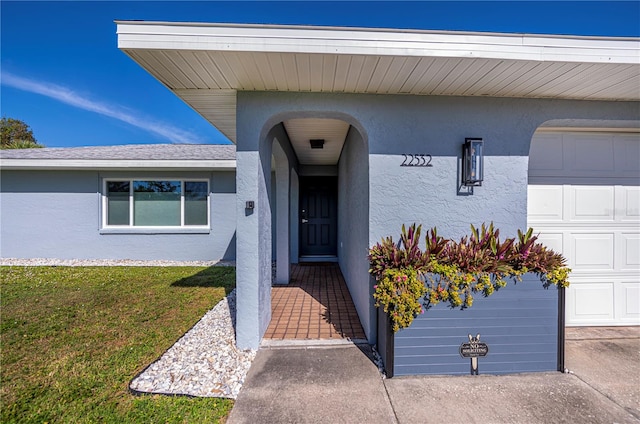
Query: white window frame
column 105, row 212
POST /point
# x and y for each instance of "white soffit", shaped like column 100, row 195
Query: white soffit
column 205, row 64
column 216, row 106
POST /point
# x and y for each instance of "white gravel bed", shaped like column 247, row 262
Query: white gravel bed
column 205, row 362
column 106, row 262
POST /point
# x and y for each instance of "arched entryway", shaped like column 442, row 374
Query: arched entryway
column 311, row 215
column 311, row 298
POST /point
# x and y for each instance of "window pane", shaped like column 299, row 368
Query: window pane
column 118, row 203
column 156, row 203
column 195, row 203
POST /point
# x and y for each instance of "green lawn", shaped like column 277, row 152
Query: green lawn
column 72, row 338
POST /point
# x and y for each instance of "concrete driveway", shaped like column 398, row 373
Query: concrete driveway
column 607, row 359
column 340, row 384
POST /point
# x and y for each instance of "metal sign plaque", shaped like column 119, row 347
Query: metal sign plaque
column 474, row 349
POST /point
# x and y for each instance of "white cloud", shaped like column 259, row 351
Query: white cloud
column 68, row 96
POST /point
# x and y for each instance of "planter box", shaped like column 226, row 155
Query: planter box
column 522, row 325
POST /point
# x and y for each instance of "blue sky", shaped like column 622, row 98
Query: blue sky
column 63, row 74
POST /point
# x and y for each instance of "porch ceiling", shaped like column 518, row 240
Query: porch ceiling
column 332, row 131
column 206, row 64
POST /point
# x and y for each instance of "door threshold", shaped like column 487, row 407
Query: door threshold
column 318, row 258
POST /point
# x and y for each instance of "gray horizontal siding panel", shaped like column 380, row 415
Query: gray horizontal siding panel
column 499, row 310
column 483, row 368
column 436, row 341
column 513, row 326
column 494, row 358
column 495, row 347
column 519, row 323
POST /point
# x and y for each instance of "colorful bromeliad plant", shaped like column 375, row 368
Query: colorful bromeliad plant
column 409, row 279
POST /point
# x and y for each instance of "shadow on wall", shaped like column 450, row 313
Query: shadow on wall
column 212, row 277
column 230, row 253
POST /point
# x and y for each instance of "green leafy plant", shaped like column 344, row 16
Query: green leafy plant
column 399, row 292
column 453, row 272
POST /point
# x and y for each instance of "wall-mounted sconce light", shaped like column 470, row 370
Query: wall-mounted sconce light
column 472, row 161
column 317, row 143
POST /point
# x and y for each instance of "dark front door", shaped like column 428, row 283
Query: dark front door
column 318, row 216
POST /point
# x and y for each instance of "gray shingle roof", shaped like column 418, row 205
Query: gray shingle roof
column 128, row 152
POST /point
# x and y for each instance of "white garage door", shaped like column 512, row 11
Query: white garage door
column 584, row 200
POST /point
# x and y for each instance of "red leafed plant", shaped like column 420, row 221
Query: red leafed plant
column 453, row 271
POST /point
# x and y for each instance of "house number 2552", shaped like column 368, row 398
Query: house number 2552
column 416, row 160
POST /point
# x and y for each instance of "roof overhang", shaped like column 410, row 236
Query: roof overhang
column 117, row 165
column 206, row 64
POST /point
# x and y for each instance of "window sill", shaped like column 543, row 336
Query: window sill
column 151, row 231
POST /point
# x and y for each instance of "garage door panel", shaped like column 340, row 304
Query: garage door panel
column 630, row 299
column 590, row 154
column 630, row 244
column 590, row 211
column 592, row 251
column 627, row 155
column 592, row 203
column 553, row 241
column 545, row 203
column 592, row 301
column 631, row 203
column 546, row 155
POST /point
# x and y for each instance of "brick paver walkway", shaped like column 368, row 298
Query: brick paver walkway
column 316, row 304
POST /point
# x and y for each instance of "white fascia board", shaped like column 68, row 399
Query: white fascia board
column 80, row 164
column 606, row 130
column 321, row 40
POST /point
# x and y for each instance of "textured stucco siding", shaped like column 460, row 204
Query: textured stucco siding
column 353, row 227
column 57, row 214
column 428, row 196
column 250, row 240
